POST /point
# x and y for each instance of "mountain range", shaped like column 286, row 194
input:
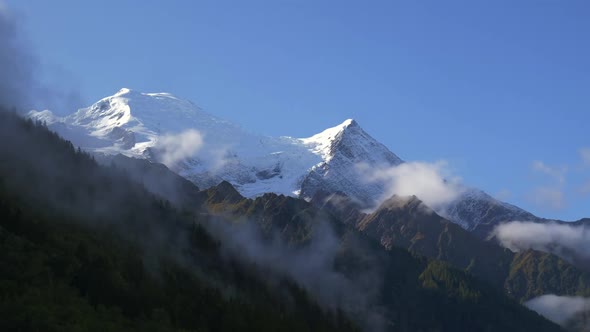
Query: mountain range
column 115, row 247
column 150, row 125
column 284, row 185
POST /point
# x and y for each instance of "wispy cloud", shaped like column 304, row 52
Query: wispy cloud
column 557, row 173
column 311, row 266
column 571, row 242
column 561, row 309
column 18, row 65
column 22, row 82
column 433, row 183
column 173, row 148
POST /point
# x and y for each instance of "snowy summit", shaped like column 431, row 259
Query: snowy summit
column 134, row 124
column 207, row 150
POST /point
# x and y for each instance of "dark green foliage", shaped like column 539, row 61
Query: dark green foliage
column 83, row 248
column 409, row 223
column 69, row 279
column 411, row 292
column 405, row 222
column 534, row 273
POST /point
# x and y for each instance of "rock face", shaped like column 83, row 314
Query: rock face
column 207, row 150
column 343, row 150
column 477, row 211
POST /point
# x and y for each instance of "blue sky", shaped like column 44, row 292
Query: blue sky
column 499, row 89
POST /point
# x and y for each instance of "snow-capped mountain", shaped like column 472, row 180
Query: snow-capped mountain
column 342, row 149
column 206, row 150
column 134, row 124
column 479, row 212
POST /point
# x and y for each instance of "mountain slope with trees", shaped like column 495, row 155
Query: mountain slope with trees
column 85, row 247
column 406, row 222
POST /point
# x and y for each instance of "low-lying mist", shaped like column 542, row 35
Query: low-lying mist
column 572, row 312
column 570, row 242
column 432, row 183
column 21, row 83
column 311, row 264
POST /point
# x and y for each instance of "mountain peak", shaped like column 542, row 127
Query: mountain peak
column 345, row 126
column 135, row 94
column 223, row 192
column 123, row 91
column 129, row 93
column 396, row 202
column 326, row 138
column 350, row 139
column 132, row 122
column 348, row 123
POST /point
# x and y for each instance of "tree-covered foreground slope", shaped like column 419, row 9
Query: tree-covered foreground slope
column 85, row 248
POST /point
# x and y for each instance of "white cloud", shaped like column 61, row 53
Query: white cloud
column 585, row 155
column 172, row 149
column 560, row 239
column 560, row 309
column 552, row 198
column 558, row 173
column 432, row 183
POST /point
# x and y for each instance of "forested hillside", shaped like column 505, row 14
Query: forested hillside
column 406, row 222
column 85, row 247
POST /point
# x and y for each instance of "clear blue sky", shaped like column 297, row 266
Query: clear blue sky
column 490, row 86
